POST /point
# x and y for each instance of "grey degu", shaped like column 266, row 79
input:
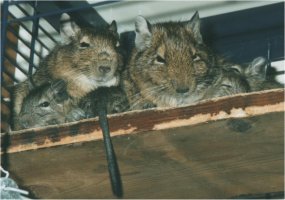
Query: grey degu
column 257, row 76
column 47, row 104
column 50, row 104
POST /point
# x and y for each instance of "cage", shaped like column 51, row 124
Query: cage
column 152, row 145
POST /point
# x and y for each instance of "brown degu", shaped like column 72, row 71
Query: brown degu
column 45, row 105
column 171, row 66
column 88, row 59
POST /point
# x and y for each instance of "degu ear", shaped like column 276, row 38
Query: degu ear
column 143, row 33
column 68, row 28
column 257, row 68
column 113, row 26
column 59, row 91
column 194, row 27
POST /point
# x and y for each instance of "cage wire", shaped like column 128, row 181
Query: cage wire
column 22, row 49
column 29, row 33
column 26, row 38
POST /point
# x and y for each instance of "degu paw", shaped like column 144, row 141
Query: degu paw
column 75, row 115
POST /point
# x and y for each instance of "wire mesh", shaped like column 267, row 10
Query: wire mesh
column 27, row 36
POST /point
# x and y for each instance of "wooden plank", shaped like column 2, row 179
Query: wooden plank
column 238, row 106
column 217, row 159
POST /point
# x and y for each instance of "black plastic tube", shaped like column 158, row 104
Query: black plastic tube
column 113, row 168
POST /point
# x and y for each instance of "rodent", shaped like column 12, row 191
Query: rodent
column 87, row 60
column 117, row 102
column 47, row 104
column 248, row 77
column 50, row 104
column 171, row 66
column 229, row 82
column 257, row 75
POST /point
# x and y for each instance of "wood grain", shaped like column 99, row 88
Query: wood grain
column 238, row 106
column 218, row 159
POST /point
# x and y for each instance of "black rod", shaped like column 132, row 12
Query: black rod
column 23, row 41
column 15, row 48
column 48, row 34
column 19, row 53
column 35, row 31
column 113, row 168
column 10, row 75
column 40, row 27
column 28, row 31
column 13, row 62
column 268, row 54
column 4, row 19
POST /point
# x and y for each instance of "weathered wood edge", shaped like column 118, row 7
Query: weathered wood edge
column 237, row 106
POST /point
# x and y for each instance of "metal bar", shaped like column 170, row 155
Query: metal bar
column 4, row 20
column 38, row 40
column 23, row 41
column 47, row 33
column 6, row 87
column 26, row 29
column 268, row 54
column 11, row 75
column 35, row 31
column 15, row 47
column 26, row 13
column 60, row 11
column 7, row 57
column 20, row 53
column 22, row 9
column 113, row 168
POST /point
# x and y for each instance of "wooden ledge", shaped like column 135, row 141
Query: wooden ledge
column 238, row 106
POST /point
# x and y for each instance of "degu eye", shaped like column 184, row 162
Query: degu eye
column 236, row 69
column 226, row 85
column 196, row 58
column 44, row 104
column 160, row 60
column 84, row 45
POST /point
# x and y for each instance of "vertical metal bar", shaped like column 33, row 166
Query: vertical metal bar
column 41, row 28
column 4, row 24
column 6, row 140
column 269, row 53
column 23, row 41
column 35, row 31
